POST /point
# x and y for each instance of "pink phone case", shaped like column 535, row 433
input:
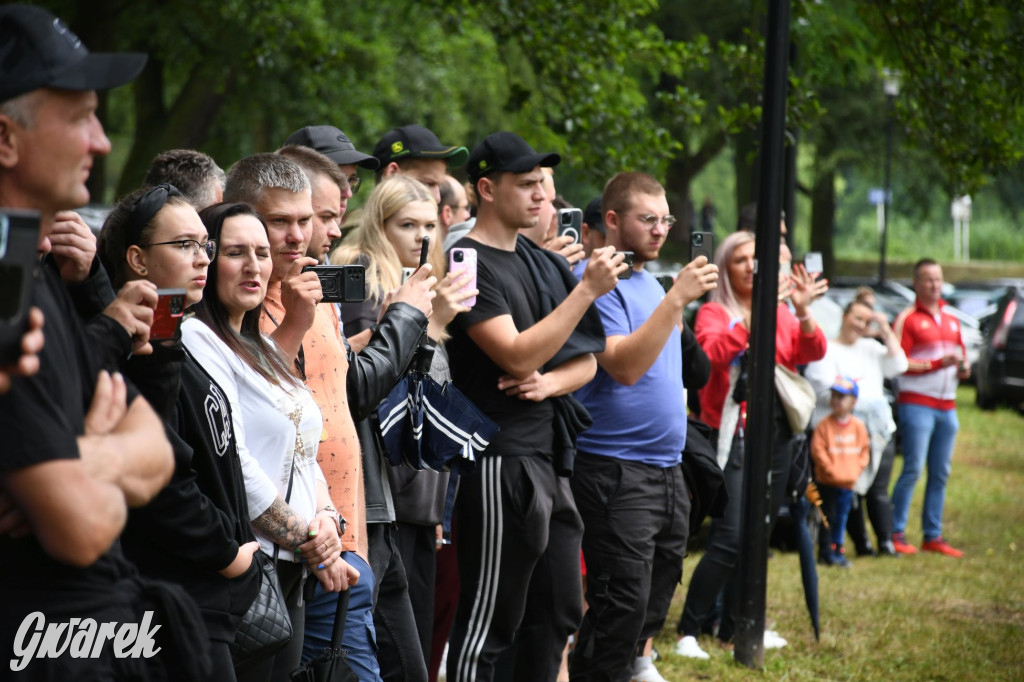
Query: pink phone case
column 468, row 262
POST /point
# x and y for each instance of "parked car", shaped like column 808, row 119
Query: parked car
column 999, row 374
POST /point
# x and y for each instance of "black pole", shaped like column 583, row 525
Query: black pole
column 753, row 559
column 888, row 191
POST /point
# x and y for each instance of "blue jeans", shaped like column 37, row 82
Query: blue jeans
column 360, row 638
column 928, row 435
column 844, row 500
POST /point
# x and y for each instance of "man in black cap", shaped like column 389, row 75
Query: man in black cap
column 526, row 344
column 416, row 151
column 77, row 451
column 336, row 146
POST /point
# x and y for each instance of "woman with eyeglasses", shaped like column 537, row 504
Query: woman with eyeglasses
column 722, row 327
column 276, row 422
column 195, row 532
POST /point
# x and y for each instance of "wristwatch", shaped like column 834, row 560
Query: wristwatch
column 339, row 520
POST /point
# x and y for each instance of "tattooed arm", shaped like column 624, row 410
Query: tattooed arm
column 282, row 525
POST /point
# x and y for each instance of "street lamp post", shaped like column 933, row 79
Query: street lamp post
column 891, row 86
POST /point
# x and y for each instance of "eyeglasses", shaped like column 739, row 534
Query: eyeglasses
column 190, row 247
column 353, row 183
column 650, row 220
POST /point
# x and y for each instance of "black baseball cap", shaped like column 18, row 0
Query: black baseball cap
column 416, row 142
column 506, row 152
column 38, row 50
column 594, row 216
column 333, row 144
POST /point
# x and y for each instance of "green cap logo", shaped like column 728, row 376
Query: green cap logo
column 396, row 147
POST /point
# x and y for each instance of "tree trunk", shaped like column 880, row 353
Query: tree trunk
column 678, row 179
column 184, row 125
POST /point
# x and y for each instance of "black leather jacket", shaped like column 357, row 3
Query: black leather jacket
column 371, row 376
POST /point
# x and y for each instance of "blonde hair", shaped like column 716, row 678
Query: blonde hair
column 724, row 294
column 369, row 243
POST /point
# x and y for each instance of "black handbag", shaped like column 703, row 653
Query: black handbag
column 331, row 664
column 266, row 626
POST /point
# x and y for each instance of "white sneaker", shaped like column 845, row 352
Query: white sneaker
column 644, row 671
column 773, row 641
column 689, row 648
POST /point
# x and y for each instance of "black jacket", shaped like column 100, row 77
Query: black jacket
column 193, row 527
column 554, row 281
column 371, row 376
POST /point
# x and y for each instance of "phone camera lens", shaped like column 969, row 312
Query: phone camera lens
column 457, row 256
column 698, row 240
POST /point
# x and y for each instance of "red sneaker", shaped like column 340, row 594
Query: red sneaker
column 942, row 547
column 900, row 544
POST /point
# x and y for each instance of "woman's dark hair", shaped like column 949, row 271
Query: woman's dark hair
column 125, row 227
column 250, row 345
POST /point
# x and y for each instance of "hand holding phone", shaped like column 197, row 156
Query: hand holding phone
column 19, row 242
column 340, row 283
column 424, row 250
column 170, row 308
column 813, row 263
column 629, row 258
column 464, row 260
column 570, row 222
column 702, row 244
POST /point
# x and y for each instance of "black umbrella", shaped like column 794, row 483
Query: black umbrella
column 426, row 425
column 804, row 501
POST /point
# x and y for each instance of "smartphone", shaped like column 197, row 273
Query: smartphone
column 424, row 250
column 341, row 283
column 666, row 281
column 19, row 245
column 570, row 222
column 702, row 244
column 461, row 260
column 170, row 308
column 813, row 262
column 628, row 258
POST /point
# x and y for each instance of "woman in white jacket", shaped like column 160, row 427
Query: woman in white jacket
column 276, row 422
column 856, row 354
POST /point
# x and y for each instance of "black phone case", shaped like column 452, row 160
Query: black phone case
column 19, row 244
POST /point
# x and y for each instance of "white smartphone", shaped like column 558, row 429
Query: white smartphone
column 813, row 263
column 462, row 260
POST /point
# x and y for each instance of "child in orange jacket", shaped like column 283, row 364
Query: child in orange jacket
column 841, row 450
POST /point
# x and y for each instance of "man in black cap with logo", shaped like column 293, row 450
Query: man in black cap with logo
column 77, row 451
column 416, row 151
column 336, row 146
column 526, row 344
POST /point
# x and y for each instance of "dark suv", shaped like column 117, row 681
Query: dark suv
column 1000, row 368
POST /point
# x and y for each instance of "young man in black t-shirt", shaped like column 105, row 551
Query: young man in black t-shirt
column 516, row 521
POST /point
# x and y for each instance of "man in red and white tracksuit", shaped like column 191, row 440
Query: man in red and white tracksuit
column 927, row 407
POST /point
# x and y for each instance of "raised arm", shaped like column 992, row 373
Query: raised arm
column 627, row 358
column 522, row 353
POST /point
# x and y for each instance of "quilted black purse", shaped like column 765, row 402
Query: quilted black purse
column 266, row 627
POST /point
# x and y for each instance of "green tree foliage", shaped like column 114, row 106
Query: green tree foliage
column 963, row 85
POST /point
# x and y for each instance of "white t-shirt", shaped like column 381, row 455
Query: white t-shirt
column 867, row 361
column 272, row 424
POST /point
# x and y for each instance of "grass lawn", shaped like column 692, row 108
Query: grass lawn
column 923, row 617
